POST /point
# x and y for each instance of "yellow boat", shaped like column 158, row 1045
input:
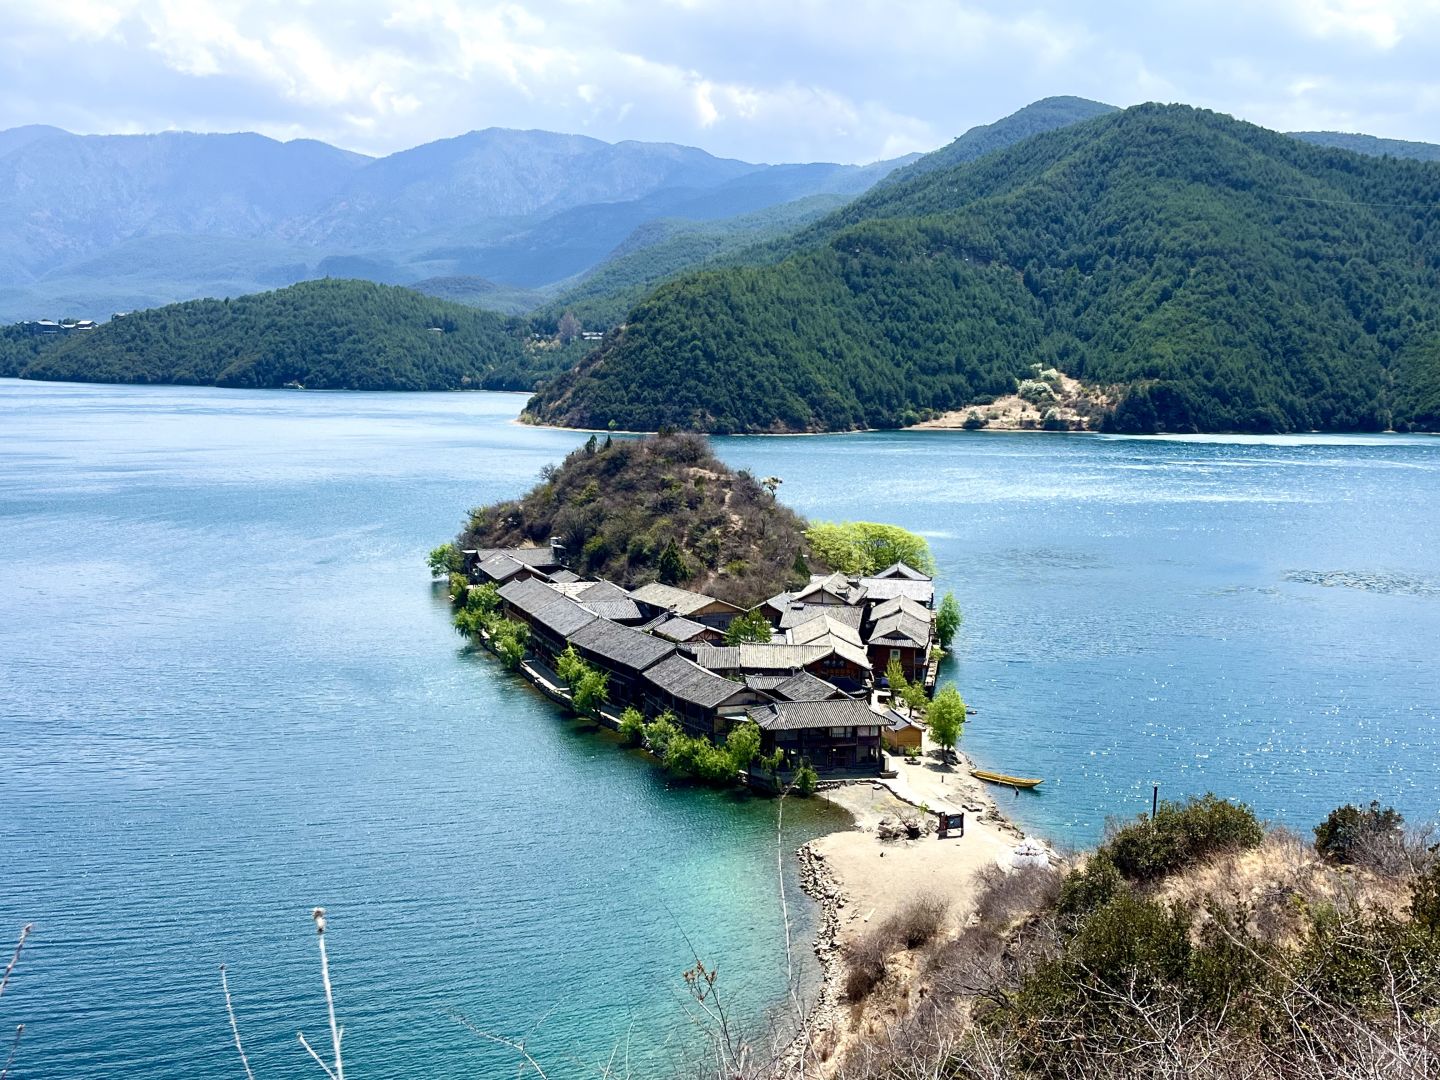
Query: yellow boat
column 1002, row 778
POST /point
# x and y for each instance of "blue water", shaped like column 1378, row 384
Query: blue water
column 1259, row 617
column 227, row 693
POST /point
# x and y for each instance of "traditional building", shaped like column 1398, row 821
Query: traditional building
column 897, row 579
column 622, row 653
column 668, row 600
column 703, row 702
column 837, row 735
column 899, row 629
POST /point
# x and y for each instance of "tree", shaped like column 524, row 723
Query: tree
column 895, row 677
column 632, row 726
column 444, row 560
column 743, row 744
column 863, row 547
column 570, row 667
column 671, row 568
column 806, row 779
column 946, row 717
column 915, row 698
column 568, row 328
column 591, row 691
column 770, row 483
column 948, row 620
column 750, row 627
column 660, row 731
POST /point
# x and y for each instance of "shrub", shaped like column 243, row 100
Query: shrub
column 459, row 587
column 445, row 559
column 1350, row 835
column 632, row 726
column 917, row 922
column 806, row 779
column 1091, row 887
column 1181, row 834
column 659, row 732
column 865, row 964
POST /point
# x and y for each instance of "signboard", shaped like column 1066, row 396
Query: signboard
column 951, row 825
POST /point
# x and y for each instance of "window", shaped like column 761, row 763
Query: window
column 894, row 654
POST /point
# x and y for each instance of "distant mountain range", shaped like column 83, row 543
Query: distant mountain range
column 509, row 220
column 98, row 223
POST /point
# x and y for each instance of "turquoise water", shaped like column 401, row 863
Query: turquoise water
column 228, row 694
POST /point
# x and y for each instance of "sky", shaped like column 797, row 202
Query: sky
column 762, row 80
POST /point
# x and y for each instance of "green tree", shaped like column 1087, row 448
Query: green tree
column 863, row 547
column 660, row 731
column 743, row 745
column 591, row 691
column 510, row 638
column 570, row 667
column 946, row 718
column 915, row 698
column 806, row 779
column 444, row 560
column 459, row 588
column 948, row 620
column 751, row 626
column 632, row 726
column 895, row 676
column 671, row 568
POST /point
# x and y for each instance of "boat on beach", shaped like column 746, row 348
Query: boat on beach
column 1005, row 778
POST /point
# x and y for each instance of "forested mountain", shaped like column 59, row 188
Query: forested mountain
column 1370, row 145
column 322, row 335
column 1217, row 276
column 1047, row 114
column 90, row 225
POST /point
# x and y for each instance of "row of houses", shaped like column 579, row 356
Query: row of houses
column 808, row 689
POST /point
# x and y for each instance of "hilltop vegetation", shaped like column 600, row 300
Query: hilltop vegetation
column 1210, row 274
column 634, row 511
column 1195, row 945
column 323, row 335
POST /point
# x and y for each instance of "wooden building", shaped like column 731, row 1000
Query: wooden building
column 841, row 735
column 621, row 652
column 703, row 702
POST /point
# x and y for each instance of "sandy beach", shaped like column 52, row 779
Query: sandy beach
column 860, row 880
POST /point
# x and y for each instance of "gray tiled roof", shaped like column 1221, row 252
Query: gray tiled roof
column 794, row 614
column 539, row 557
column 620, row 645
column 680, row 601
column 622, row 610
column 690, row 682
column 759, row 657
column 802, row 686
column 891, row 587
column 502, row 567
column 901, row 629
column 901, row 570
column 678, row 628
column 900, row 603
column 798, row 715
column 545, row 607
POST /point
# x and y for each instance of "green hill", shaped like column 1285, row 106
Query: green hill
column 323, row 335
column 1211, row 274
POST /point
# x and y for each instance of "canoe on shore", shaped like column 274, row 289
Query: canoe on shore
column 1003, row 778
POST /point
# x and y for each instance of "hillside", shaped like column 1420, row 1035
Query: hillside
column 323, row 335
column 1209, row 274
column 1370, row 145
column 1047, row 114
column 617, row 506
column 1195, row 945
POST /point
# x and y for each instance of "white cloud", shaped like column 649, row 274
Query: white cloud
column 849, row 80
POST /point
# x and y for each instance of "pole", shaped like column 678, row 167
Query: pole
column 1154, row 801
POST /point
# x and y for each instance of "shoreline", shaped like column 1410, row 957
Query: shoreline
column 854, row 890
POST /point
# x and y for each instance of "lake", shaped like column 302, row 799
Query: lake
column 229, row 693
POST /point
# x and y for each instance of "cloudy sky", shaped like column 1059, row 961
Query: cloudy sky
column 765, row 80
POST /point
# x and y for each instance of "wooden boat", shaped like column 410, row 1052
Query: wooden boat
column 1002, row 778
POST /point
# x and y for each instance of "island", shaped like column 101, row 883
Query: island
column 648, row 587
